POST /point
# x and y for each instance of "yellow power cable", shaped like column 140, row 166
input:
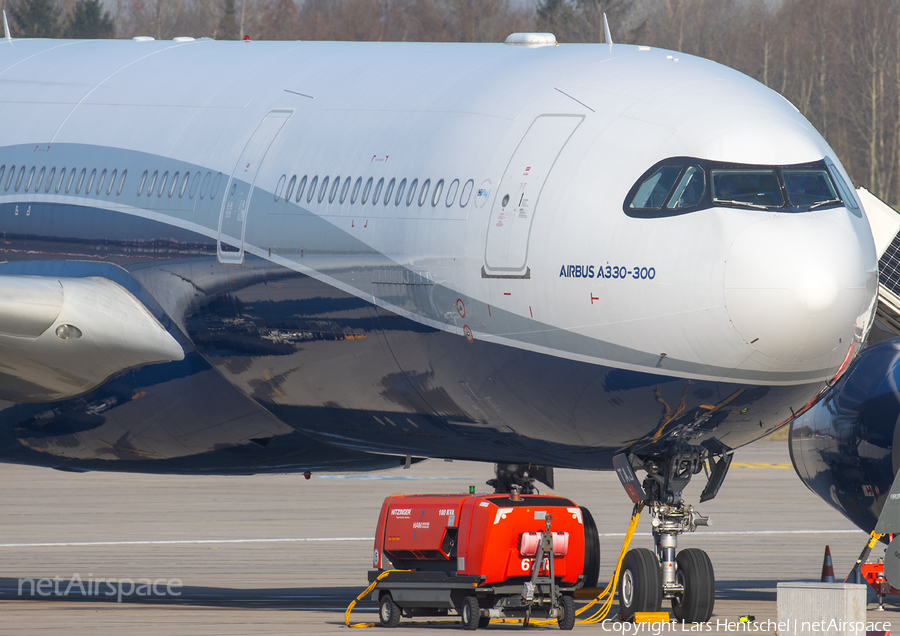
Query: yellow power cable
column 596, row 617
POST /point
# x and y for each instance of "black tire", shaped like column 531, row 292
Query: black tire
column 388, row 613
column 470, row 613
column 695, row 573
column 484, row 621
column 566, row 619
column 640, row 584
column 591, row 549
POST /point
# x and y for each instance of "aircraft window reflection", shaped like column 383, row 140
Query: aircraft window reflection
column 50, row 178
column 162, row 183
column 205, row 186
column 312, row 189
column 345, row 189
column 655, row 189
column 215, row 186
column 451, row 193
column 112, row 182
column 290, row 188
column 400, row 190
column 184, row 184
column 389, row 191
column 367, row 189
column 174, row 183
column 40, row 179
column 323, row 190
column 90, row 181
column 690, row 189
column 71, row 179
column 334, row 189
column 59, row 182
column 29, row 179
column 466, row 193
column 194, row 184
column 810, row 188
column 301, row 188
column 755, row 188
column 412, row 192
column 100, row 182
column 436, row 197
column 150, row 185
column 81, row 180
column 9, row 178
column 122, row 182
column 378, row 189
column 20, row 177
column 356, row 187
column 423, row 196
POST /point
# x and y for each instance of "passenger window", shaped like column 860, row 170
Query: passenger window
column 9, row 177
column 29, row 179
column 356, row 187
column 752, row 188
column 810, row 188
column 20, row 177
column 334, row 189
column 436, row 197
column 215, row 186
column 466, row 193
column 122, row 182
column 100, row 182
column 412, row 192
column 279, row 188
column 140, row 189
column 389, row 191
column 367, row 190
column 59, row 182
column 345, row 189
column 40, row 179
column 112, row 182
column 451, row 193
column 152, row 182
column 690, row 189
column 50, row 178
column 2, row 172
column 400, row 190
column 423, row 196
column 71, row 179
column 205, row 187
column 312, row 189
column 90, row 181
column 162, row 183
column 377, row 191
column 653, row 191
column 174, row 184
column 184, row 184
column 80, row 180
column 301, row 188
column 290, row 188
column 194, row 184
column 324, row 189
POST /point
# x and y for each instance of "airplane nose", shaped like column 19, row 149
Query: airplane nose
column 797, row 286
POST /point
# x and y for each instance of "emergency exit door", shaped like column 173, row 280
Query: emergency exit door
column 519, row 194
column 236, row 202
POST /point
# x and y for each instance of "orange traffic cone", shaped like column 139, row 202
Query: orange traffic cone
column 827, row 567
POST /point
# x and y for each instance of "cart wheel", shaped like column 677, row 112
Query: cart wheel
column 640, row 584
column 591, row 549
column 471, row 613
column 695, row 573
column 389, row 613
column 566, row 618
column 484, row 621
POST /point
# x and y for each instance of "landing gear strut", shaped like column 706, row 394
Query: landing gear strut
column 686, row 578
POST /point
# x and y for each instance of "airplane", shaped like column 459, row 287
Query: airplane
column 252, row 257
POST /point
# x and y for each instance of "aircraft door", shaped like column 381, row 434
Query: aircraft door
column 519, row 192
column 236, row 202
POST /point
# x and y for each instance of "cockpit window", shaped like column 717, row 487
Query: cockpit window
column 655, row 188
column 680, row 185
column 812, row 188
column 690, row 189
column 755, row 188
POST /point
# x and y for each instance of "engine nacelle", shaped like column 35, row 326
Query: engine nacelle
column 845, row 448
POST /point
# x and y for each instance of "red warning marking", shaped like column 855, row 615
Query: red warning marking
column 489, row 310
column 531, row 312
column 461, row 307
column 593, row 298
column 507, row 294
column 367, row 223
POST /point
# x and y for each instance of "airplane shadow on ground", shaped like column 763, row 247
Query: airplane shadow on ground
column 297, row 598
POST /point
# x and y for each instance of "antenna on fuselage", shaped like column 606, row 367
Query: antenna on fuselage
column 606, row 34
column 6, row 32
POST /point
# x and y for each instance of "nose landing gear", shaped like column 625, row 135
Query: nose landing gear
column 687, row 578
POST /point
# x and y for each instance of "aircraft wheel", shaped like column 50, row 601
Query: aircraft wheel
column 591, row 549
column 695, row 573
column 640, row 584
column 566, row 618
column 471, row 613
column 389, row 613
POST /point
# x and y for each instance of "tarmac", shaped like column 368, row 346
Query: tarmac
column 279, row 554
